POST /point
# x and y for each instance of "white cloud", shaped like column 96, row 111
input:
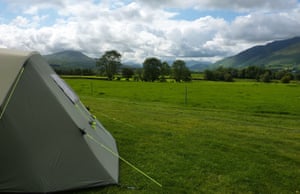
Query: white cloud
column 259, row 27
column 236, row 5
column 138, row 31
column 20, row 21
column 242, row 5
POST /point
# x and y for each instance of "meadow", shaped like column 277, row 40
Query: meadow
column 200, row 137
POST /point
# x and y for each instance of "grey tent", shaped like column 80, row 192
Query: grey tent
column 49, row 141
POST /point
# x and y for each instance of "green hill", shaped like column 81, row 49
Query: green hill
column 70, row 59
column 275, row 55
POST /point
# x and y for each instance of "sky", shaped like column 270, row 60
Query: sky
column 201, row 30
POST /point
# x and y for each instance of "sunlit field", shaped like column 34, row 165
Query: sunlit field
column 200, row 137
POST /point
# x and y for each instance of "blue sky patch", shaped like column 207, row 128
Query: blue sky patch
column 192, row 14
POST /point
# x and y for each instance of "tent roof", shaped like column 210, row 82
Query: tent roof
column 11, row 62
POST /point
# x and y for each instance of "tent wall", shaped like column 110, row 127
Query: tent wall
column 82, row 118
column 10, row 64
column 41, row 140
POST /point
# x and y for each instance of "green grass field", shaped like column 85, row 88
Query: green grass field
column 200, row 137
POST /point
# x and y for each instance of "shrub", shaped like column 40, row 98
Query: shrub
column 297, row 76
column 228, row 77
column 266, row 77
column 286, row 79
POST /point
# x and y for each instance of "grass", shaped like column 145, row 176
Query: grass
column 241, row 137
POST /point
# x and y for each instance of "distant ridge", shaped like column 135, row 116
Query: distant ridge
column 275, row 55
column 197, row 66
column 70, row 59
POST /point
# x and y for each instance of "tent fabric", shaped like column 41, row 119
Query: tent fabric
column 43, row 142
column 10, row 65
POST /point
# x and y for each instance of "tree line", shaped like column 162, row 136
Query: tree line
column 153, row 69
column 251, row 72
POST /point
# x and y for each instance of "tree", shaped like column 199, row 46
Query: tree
column 127, row 73
column 151, row 67
column 180, row 71
column 280, row 74
column 228, row 77
column 164, row 70
column 209, row 75
column 297, row 76
column 254, row 72
column 138, row 74
column 266, row 77
column 109, row 63
column 286, row 79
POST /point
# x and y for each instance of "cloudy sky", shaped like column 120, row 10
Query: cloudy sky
column 204, row 30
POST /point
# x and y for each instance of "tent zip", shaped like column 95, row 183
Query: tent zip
column 11, row 92
column 124, row 160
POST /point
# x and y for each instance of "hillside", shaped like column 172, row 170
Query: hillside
column 275, row 55
column 70, row 59
column 197, row 66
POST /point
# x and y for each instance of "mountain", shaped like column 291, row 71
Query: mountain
column 275, row 55
column 193, row 65
column 70, row 59
column 197, row 66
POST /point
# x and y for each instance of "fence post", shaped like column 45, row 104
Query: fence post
column 186, row 95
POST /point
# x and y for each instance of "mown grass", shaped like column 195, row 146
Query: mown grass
column 241, row 137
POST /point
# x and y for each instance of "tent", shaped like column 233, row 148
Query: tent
column 49, row 141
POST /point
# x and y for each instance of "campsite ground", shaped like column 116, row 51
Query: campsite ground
column 200, row 137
